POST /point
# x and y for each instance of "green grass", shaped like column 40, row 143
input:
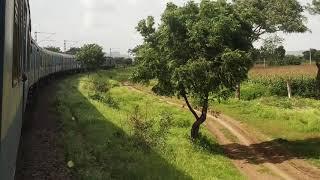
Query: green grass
column 100, row 139
column 278, row 117
column 295, row 122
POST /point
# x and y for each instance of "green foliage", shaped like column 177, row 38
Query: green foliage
column 295, row 121
column 149, row 131
column 197, row 49
column 315, row 55
column 272, row 50
column 253, row 90
column 287, row 60
column 315, row 7
column 91, row 56
column 270, row 16
column 99, row 86
column 99, row 91
column 101, row 143
column 73, row 51
column 123, row 61
column 200, row 49
column 53, row 49
column 280, row 52
column 106, row 98
column 293, row 60
column 277, row 86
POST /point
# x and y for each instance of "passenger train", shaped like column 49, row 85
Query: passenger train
column 22, row 65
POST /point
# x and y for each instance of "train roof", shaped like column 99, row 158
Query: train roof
column 51, row 52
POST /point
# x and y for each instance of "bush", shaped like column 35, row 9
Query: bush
column 251, row 90
column 99, row 91
column 150, row 132
column 97, row 86
column 105, row 98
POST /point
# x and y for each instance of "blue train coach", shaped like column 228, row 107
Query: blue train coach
column 22, row 65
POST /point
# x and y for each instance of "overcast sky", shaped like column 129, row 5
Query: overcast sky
column 111, row 23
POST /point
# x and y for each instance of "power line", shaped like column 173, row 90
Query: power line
column 37, row 33
column 67, row 41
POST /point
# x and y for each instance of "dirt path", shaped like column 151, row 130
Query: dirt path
column 41, row 156
column 254, row 154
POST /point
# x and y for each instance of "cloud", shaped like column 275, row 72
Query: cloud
column 111, row 23
column 95, row 9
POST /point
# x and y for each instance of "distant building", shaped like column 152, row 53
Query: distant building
column 116, row 54
column 295, row 53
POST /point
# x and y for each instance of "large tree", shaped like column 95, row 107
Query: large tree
column 272, row 50
column 307, row 55
column 271, row 16
column 73, row 50
column 198, row 50
column 91, row 56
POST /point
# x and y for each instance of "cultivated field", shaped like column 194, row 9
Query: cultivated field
column 283, row 71
column 264, row 107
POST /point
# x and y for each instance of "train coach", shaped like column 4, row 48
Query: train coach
column 22, row 65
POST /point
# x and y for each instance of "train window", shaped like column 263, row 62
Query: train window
column 16, row 68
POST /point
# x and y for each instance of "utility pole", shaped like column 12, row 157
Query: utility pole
column 129, row 52
column 310, row 56
column 65, row 44
column 36, row 34
column 110, row 52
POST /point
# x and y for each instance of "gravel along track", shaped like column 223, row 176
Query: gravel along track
column 41, row 155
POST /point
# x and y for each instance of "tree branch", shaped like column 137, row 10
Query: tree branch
column 205, row 107
column 184, row 95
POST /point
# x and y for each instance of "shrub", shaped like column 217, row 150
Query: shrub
column 251, row 90
column 105, row 98
column 150, row 132
column 99, row 91
column 97, row 86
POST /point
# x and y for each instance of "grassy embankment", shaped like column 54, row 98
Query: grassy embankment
column 117, row 134
column 295, row 122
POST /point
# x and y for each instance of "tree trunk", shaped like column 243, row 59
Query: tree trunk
column 196, row 127
column 238, row 93
column 289, row 89
column 318, row 81
column 199, row 120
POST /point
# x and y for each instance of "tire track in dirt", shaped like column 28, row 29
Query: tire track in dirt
column 256, row 158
